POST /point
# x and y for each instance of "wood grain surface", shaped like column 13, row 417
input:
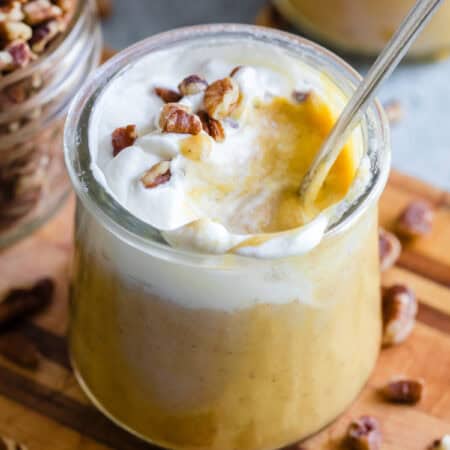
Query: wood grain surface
column 46, row 410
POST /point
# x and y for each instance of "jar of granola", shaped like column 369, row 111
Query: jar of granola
column 365, row 26
column 47, row 49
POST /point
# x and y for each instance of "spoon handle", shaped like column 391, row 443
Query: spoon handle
column 386, row 62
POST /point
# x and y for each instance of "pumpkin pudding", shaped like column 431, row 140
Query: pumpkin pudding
column 275, row 328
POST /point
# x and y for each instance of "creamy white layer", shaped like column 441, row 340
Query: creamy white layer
column 213, row 222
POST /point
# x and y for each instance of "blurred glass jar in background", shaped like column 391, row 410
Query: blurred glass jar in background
column 47, row 50
column 365, row 26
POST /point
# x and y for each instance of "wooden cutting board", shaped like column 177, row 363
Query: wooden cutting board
column 46, row 409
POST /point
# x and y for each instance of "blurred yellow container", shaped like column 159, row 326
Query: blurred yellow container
column 365, row 26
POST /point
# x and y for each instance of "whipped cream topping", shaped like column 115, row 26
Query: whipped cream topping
column 203, row 207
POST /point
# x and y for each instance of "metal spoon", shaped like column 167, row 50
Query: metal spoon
column 384, row 65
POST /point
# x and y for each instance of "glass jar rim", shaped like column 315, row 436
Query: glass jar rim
column 136, row 233
column 54, row 54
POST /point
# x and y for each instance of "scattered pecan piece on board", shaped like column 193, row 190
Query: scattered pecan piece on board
column 403, row 390
column 399, row 313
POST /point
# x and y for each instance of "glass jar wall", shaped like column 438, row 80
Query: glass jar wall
column 157, row 338
column 33, row 103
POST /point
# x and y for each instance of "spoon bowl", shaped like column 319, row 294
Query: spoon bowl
column 382, row 68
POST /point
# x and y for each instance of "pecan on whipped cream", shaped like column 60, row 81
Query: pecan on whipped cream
column 233, row 139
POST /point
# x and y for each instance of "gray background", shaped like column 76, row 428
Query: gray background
column 420, row 142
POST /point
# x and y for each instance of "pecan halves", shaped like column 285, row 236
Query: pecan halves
column 65, row 5
column 389, row 248
column 403, row 390
column 221, row 98
column 11, row 11
column 176, row 118
column 12, row 31
column 157, row 174
column 399, row 314
column 20, row 52
column 6, row 61
column 123, row 137
column 363, row 434
column 212, row 126
column 33, row 23
column 43, row 34
column 193, row 84
column 167, row 95
column 38, row 11
column 16, row 55
column 22, row 302
column 416, row 219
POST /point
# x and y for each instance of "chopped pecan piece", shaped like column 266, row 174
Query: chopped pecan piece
column 416, row 219
column 399, row 314
column 6, row 61
column 394, row 111
column 22, row 302
column 43, row 34
column 221, row 98
column 12, row 31
column 212, row 126
column 167, row 95
column 235, row 70
column 301, row 96
column 403, row 391
column 123, row 137
column 20, row 350
column 176, row 118
column 193, row 84
column 363, row 434
column 441, row 444
column 157, row 174
column 11, row 12
column 39, row 11
column 20, row 53
column 389, row 247
column 65, row 5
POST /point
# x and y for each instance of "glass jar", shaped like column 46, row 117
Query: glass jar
column 159, row 338
column 33, row 103
column 365, row 26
